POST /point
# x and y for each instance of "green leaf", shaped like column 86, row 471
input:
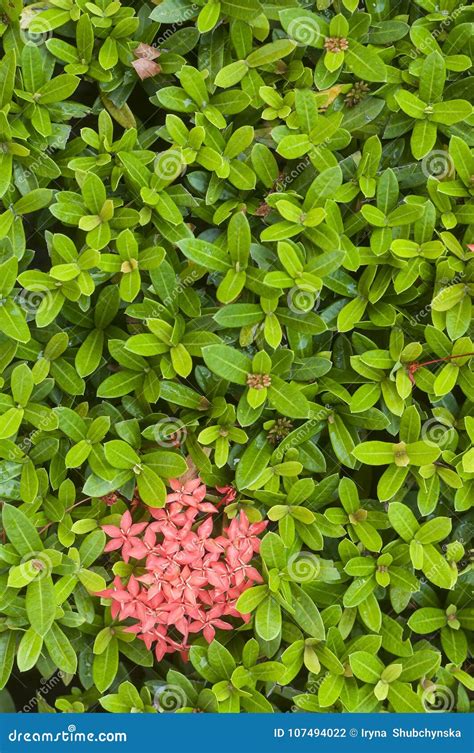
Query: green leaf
column 250, row 599
column 220, row 660
column 58, row 89
column 41, row 604
column 12, row 322
column 403, row 699
column 227, row 363
column 421, row 664
column 427, row 620
column 105, row 666
column 434, row 530
column 374, row 453
column 364, row 63
column 454, row 644
column 330, row 690
column 287, row 399
column 89, row 354
column 120, row 455
column 60, row 649
column 422, row 453
column 93, row 582
column 205, row 254
column 231, row 74
column 7, row 656
column 271, row 52
column 20, row 531
column 403, row 520
column 268, row 619
column 242, row 9
column 253, row 461
column 366, row 667
column 358, row 591
column 307, row 614
column 436, row 568
column 29, row 650
column 151, row 488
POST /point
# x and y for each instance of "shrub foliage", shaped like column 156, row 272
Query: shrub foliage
column 236, row 245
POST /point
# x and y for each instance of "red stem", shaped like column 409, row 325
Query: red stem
column 414, row 366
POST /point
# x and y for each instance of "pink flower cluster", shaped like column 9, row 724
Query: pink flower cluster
column 188, row 579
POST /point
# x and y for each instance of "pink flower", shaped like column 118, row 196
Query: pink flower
column 190, row 494
column 207, row 622
column 188, row 579
column 228, row 492
column 187, row 492
column 122, row 538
